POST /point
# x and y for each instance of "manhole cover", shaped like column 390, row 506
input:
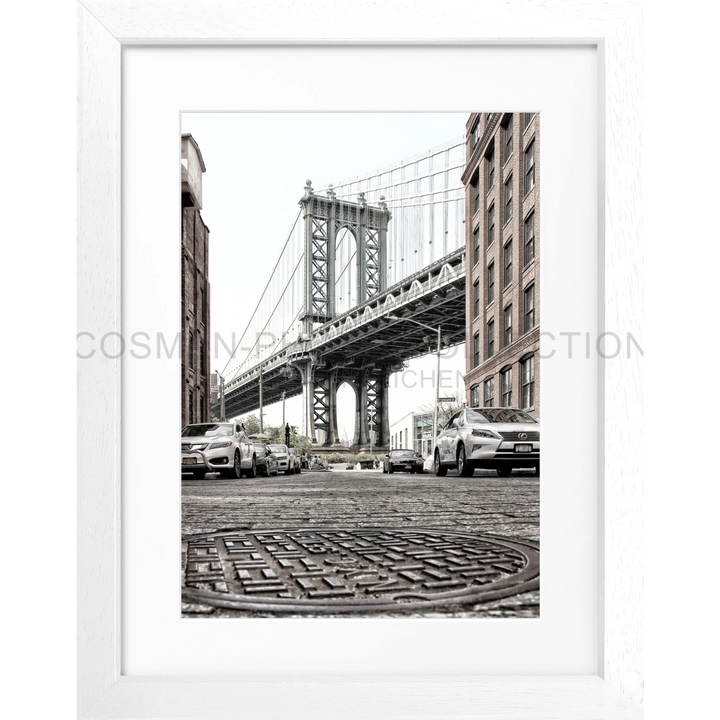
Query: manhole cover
column 349, row 570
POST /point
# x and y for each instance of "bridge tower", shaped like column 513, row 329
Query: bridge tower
column 324, row 218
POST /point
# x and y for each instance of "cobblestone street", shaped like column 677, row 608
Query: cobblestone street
column 485, row 504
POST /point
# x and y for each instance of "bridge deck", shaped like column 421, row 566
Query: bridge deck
column 365, row 337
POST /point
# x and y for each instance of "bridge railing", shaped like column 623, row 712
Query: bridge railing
column 447, row 271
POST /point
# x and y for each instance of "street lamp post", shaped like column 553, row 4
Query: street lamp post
column 261, row 407
column 437, row 379
column 222, row 398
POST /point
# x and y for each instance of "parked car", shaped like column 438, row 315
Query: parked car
column 266, row 461
column 497, row 438
column 295, row 458
column 282, row 456
column 403, row 460
column 429, row 464
column 217, row 447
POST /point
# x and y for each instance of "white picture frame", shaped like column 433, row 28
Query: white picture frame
column 104, row 27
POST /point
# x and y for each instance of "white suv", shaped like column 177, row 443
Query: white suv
column 282, row 454
column 295, row 459
column 217, row 447
column 497, row 438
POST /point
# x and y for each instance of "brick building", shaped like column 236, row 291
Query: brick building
column 502, row 182
column 195, row 290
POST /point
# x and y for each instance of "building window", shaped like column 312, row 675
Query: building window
column 475, row 134
column 475, row 185
column 488, row 118
column 530, row 167
column 489, row 385
column 491, row 338
column 191, row 351
column 508, row 199
column 191, row 407
column 507, row 332
column 475, row 396
column 201, row 416
column 476, row 245
column 528, row 382
column 202, row 359
column 530, row 308
column 527, row 117
column 506, row 387
column 508, row 267
column 508, row 138
column 530, row 238
column 476, row 298
column 491, row 282
column 476, row 349
column 491, row 225
column 490, row 159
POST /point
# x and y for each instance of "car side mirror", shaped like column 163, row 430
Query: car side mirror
column 387, row 454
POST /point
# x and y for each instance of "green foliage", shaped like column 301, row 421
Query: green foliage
column 276, row 434
column 251, row 423
column 337, row 458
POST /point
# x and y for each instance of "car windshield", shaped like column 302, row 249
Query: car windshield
column 208, row 430
column 401, row 453
column 498, row 415
column 259, row 446
column 278, row 448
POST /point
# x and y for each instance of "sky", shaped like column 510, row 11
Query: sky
column 256, row 168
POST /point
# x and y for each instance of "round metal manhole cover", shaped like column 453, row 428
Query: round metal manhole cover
column 350, row 570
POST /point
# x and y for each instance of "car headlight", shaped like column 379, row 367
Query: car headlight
column 217, row 445
column 486, row 434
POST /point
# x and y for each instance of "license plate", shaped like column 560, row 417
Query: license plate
column 408, row 467
column 189, row 461
column 523, row 448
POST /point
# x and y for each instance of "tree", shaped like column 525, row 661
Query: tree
column 251, row 423
column 446, row 409
column 301, row 443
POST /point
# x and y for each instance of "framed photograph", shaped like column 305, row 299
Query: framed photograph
column 152, row 84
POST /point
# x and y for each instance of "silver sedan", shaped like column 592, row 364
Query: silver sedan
column 496, row 438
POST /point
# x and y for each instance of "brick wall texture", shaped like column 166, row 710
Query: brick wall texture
column 494, row 169
column 195, row 318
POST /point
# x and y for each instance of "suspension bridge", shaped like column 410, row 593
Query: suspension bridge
column 366, row 265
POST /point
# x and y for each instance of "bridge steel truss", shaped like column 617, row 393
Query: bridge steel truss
column 362, row 347
column 325, row 218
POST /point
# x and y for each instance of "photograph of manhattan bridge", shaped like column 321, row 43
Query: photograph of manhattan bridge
column 360, row 375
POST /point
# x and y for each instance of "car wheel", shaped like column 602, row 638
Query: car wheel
column 504, row 472
column 252, row 472
column 384, row 468
column 390, row 469
column 235, row 472
column 464, row 468
column 440, row 469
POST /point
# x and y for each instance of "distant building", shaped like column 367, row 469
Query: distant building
column 413, row 432
column 195, row 291
column 502, row 182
